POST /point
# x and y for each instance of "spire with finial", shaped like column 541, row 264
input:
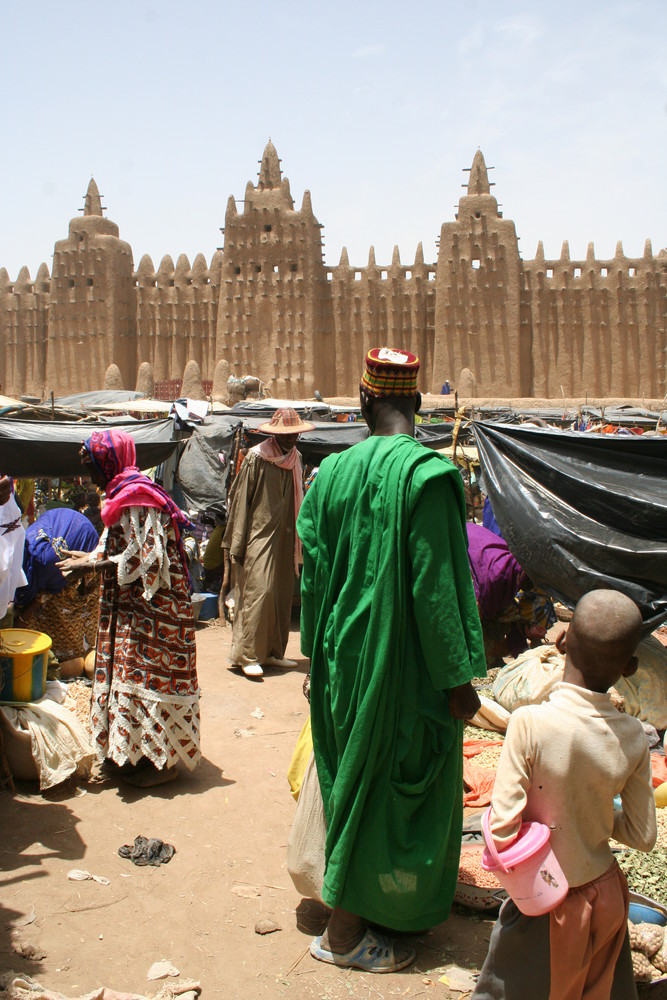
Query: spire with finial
column 93, row 204
column 269, row 171
column 478, row 182
column 419, row 254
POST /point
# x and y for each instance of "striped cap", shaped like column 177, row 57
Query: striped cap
column 390, row 372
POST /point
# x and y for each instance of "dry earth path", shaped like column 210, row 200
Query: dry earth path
column 229, row 823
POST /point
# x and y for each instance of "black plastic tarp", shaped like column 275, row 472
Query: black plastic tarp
column 582, row 511
column 202, row 476
column 331, row 437
column 50, row 449
column 202, row 479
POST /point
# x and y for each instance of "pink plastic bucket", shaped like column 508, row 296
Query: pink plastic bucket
column 528, row 870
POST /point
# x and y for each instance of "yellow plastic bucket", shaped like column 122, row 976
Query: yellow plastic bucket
column 24, row 656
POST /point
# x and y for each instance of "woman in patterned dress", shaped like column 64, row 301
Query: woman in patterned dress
column 145, row 703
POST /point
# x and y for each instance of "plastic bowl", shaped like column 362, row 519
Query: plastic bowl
column 197, row 604
column 639, row 913
column 478, row 897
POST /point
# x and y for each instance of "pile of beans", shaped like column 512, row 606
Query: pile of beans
column 471, row 871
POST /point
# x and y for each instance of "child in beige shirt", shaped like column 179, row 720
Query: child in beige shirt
column 562, row 764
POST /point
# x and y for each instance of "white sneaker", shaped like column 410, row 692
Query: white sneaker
column 252, row 670
column 276, row 661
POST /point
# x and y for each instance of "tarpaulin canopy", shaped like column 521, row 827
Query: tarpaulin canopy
column 50, row 449
column 582, row 511
column 202, row 476
column 331, row 437
column 98, row 397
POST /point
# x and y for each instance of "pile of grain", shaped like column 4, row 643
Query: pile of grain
column 487, row 759
column 78, row 702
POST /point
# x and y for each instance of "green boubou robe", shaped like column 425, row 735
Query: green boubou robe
column 390, row 622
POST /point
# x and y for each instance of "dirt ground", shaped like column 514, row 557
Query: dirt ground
column 229, row 823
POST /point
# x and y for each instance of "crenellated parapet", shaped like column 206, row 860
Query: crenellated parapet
column 24, row 309
column 598, row 325
column 381, row 303
column 176, row 313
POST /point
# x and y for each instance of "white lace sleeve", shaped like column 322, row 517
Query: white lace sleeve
column 145, row 553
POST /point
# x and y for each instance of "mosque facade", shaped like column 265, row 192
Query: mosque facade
column 268, row 305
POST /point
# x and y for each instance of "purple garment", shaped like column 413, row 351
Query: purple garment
column 46, row 542
column 496, row 574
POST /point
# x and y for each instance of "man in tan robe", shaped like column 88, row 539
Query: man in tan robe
column 263, row 544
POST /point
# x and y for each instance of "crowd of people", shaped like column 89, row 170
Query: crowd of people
column 398, row 596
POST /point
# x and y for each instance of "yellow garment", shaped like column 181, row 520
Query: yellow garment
column 213, row 555
column 25, row 490
column 300, row 758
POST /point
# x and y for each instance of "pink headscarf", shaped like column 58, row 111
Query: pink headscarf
column 114, row 454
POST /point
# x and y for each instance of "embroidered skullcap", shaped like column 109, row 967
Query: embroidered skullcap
column 286, row 421
column 390, row 372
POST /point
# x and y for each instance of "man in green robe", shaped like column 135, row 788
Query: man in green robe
column 390, row 623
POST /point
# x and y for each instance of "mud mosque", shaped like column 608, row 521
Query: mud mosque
column 267, row 305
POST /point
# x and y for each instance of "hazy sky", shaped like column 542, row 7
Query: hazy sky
column 374, row 107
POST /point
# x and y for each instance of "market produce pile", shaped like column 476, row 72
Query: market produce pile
column 78, row 702
column 649, row 951
column 647, row 873
column 472, row 873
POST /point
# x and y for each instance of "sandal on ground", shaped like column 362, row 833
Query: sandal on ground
column 374, row 953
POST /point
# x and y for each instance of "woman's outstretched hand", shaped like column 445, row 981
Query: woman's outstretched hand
column 76, row 562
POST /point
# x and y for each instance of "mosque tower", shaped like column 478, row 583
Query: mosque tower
column 274, row 313
column 478, row 296
column 92, row 304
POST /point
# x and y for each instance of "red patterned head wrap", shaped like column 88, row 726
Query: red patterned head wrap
column 114, row 454
column 390, row 372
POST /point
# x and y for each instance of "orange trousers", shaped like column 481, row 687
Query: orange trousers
column 586, row 933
